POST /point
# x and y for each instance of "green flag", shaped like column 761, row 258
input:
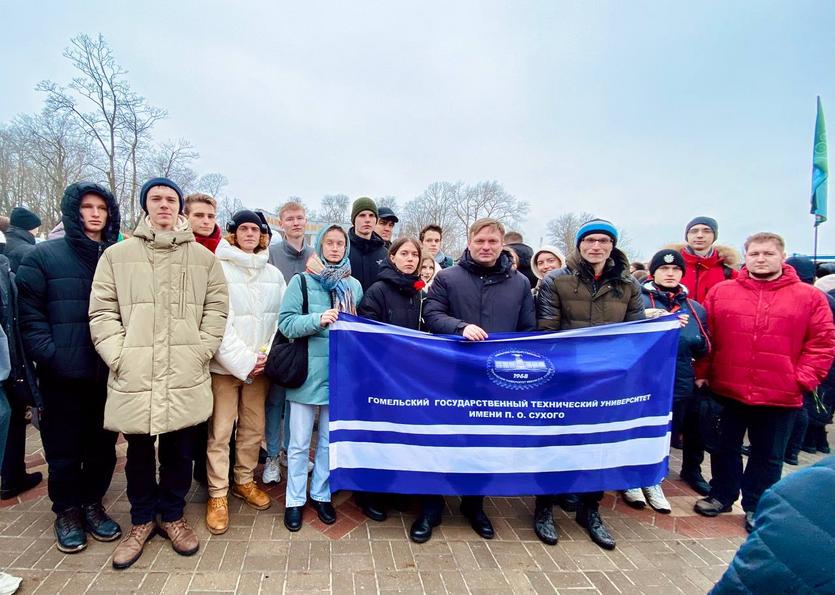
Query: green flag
column 820, row 169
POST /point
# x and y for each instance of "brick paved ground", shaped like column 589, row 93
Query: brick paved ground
column 677, row 553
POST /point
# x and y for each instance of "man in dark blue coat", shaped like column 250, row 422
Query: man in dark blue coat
column 481, row 294
column 54, row 282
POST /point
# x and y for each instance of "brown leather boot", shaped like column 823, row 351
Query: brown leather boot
column 254, row 497
column 217, row 515
column 130, row 549
column 182, row 537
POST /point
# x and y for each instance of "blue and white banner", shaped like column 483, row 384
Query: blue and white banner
column 539, row 413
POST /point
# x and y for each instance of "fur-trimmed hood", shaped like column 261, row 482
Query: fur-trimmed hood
column 730, row 256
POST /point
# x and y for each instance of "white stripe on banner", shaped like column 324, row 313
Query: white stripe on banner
column 542, row 459
column 664, row 323
column 499, row 430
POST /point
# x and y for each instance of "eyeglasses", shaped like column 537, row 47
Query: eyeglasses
column 593, row 241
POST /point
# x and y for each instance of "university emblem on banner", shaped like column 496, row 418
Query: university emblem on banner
column 519, row 370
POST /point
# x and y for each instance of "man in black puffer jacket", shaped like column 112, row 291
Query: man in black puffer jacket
column 54, row 282
column 481, row 294
column 20, row 237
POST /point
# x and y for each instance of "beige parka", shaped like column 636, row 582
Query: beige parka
column 157, row 314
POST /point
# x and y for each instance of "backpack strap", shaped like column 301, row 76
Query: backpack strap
column 303, row 281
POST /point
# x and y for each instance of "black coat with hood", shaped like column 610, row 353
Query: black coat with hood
column 498, row 299
column 394, row 299
column 19, row 243
column 21, row 387
column 525, row 254
column 55, row 282
column 366, row 256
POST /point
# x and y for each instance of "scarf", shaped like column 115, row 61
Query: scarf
column 333, row 277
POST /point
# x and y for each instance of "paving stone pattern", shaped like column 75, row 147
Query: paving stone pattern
column 664, row 554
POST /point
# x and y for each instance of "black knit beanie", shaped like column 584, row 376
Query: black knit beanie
column 663, row 257
column 24, row 219
column 143, row 194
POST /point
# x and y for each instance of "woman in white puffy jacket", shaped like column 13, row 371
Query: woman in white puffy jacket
column 240, row 388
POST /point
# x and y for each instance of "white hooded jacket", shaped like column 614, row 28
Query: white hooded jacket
column 256, row 289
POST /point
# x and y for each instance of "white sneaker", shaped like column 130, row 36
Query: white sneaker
column 272, row 472
column 634, row 497
column 282, row 460
column 8, row 583
column 656, row 499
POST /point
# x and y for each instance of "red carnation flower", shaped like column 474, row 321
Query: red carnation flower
column 419, row 284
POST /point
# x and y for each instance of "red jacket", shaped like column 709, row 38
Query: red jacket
column 772, row 340
column 703, row 272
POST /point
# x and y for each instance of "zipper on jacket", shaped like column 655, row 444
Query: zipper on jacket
column 182, row 295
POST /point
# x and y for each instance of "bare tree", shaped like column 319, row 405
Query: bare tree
column 563, row 229
column 117, row 120
column 435, row 206
column 173, row 159
column 138, row 119
column 212, row 184
column 387, row 201
column 489, row 199
column 226, row 208
column 334, row 208
column 562, row 232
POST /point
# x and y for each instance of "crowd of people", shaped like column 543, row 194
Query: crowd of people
column 164, row 337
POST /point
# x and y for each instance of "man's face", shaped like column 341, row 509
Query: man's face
column 668, row 276
column 163, row 206
column 547, row 262
column 596, row 248
column 93, row 211
column 700, row 237
column 385, row 228
column 293, row 223
column 764, row 259
column 248, row 235
column 201, row 217
column 486, row 246
column 364, row 223
column 432, row 242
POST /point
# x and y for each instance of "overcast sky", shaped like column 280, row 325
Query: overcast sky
column 645, row 113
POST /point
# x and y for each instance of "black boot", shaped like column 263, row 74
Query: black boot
column 479, row 522
column 293, row 518
column 696, row 481
column 421, row 530
column 568, row 502
column 325, row 511
column 99, row 524
column 543, row 525
column 590, row 520
column 69, row 531
column 20, row 485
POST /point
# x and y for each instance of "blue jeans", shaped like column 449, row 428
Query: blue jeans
column 5, row 417
column 301, row 430
column 275, row 406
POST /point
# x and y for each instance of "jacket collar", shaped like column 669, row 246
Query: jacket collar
column 365, row 245
column 789, row 277
column 211, row 241
column 291, row 251
column 181, row 234
column 234, row 255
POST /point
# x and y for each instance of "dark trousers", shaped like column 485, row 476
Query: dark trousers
column 14, row 465
column 168, row 497
column 433, row 506
column 588, row 500
column 693, row 447
column 798, row 433
column 80, row 453
column 768, row 431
